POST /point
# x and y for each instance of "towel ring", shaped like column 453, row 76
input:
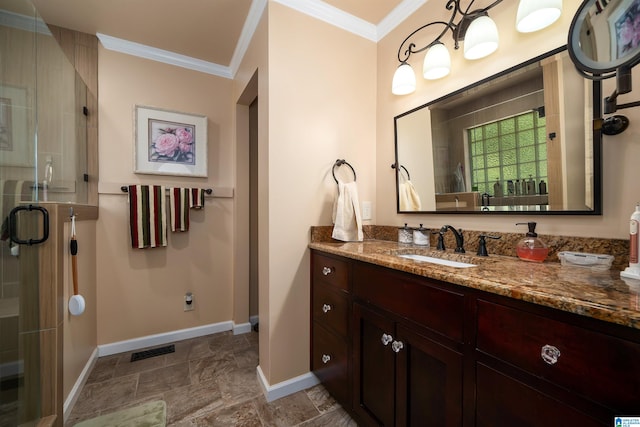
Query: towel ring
column 341, row 162
column 393, row 166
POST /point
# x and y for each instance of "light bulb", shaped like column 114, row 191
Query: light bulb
column 534, row 15
column 481, row 38
column 404, row 80
column 437, row 62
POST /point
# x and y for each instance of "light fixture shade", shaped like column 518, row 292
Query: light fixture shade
column 534, row 15
column 481, row 38
column 404, row 80
column 437, row 62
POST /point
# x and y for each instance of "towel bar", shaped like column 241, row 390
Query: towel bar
column 125, row 189
column 341, row 162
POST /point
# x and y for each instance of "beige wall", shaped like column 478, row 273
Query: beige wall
column 620, row 172
column 321, row 107
column 251, row 80
column 140, row 292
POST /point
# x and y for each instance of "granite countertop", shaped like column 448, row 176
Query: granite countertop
column 598, row 294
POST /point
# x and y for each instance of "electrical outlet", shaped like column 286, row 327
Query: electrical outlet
column 366, row 210
column 189, row 302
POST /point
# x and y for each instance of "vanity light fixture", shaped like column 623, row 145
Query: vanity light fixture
column 478, row 32
column 534, row 15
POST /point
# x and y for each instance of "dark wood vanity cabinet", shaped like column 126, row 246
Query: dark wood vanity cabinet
column 330, row 324
column 402, row 378
column 411, row 351
column 407, row 364
column 535, row 364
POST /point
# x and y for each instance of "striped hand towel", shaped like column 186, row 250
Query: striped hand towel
column 147, row 213
column 181, row 200
column 196, row 198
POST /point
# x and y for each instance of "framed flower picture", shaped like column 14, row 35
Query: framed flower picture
column 169, row 143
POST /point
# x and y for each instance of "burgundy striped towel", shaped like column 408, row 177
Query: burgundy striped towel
column 147, row 213
column 180, row 201
column 196, row 200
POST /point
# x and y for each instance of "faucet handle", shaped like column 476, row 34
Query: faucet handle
column 440, row 234
column 482, row 244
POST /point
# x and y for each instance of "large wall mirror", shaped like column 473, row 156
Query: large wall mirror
column 522, row 140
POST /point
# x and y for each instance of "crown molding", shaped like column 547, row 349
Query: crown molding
column 334, row 16
column 23, row 22
column 315, row 8
column 249, row 28
column 397, row 16
column 165, row 56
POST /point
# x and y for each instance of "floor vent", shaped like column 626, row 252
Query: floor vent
column 145, row 354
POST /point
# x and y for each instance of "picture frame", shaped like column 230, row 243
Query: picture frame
column 169, row 142
column 16, row 141
column 624, row 34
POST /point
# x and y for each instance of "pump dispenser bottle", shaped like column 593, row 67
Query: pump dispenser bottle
column 531, row 248
column 633, row 271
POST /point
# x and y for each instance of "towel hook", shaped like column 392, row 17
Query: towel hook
column 394, row 166
column 338, row 163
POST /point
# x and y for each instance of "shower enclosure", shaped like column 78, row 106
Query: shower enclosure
column 43, row 158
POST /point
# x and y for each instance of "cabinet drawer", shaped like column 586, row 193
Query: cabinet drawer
column 329, row 362
column 331, row 308
column 503, row 401
column 437, row 309
column 598, row 366
column 331, row 271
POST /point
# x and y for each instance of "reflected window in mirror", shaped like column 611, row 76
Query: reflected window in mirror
column 522, row 140
column 509, row 156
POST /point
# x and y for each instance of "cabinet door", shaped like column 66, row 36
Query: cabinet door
column 329, row 361
column 503, row 401
column 428, row 382
column 374, row 367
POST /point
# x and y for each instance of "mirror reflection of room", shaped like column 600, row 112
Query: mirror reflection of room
column 521, row 141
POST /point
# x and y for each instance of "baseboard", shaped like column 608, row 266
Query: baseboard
column 164, row 338
column 242, row 328
column 285, row 388
column 253, row 319
column 71, row 399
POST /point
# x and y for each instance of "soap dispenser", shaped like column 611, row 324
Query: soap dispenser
column 531, row 248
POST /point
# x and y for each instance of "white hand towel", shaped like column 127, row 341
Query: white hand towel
column 347, row 222
column 409, row 198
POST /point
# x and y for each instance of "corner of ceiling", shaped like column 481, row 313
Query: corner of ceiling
column 314, row 8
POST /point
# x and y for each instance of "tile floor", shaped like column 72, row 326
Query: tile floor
column 208, row 381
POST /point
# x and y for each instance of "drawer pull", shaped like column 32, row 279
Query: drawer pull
column 326, row 308
column 397, row 346
column 327, row 271
column 550, row 354
column 386, row 339
column 326, row 358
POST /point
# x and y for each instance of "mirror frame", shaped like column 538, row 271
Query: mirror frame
column 597, row 147
column 582, row 61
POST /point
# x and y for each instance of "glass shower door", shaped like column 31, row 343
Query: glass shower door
column 20, row 361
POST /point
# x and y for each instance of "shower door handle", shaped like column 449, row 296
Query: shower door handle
column 13, row 225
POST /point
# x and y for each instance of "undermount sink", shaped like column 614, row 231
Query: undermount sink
column 440, row 261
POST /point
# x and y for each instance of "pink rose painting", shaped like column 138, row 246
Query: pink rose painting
column 171, row 142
